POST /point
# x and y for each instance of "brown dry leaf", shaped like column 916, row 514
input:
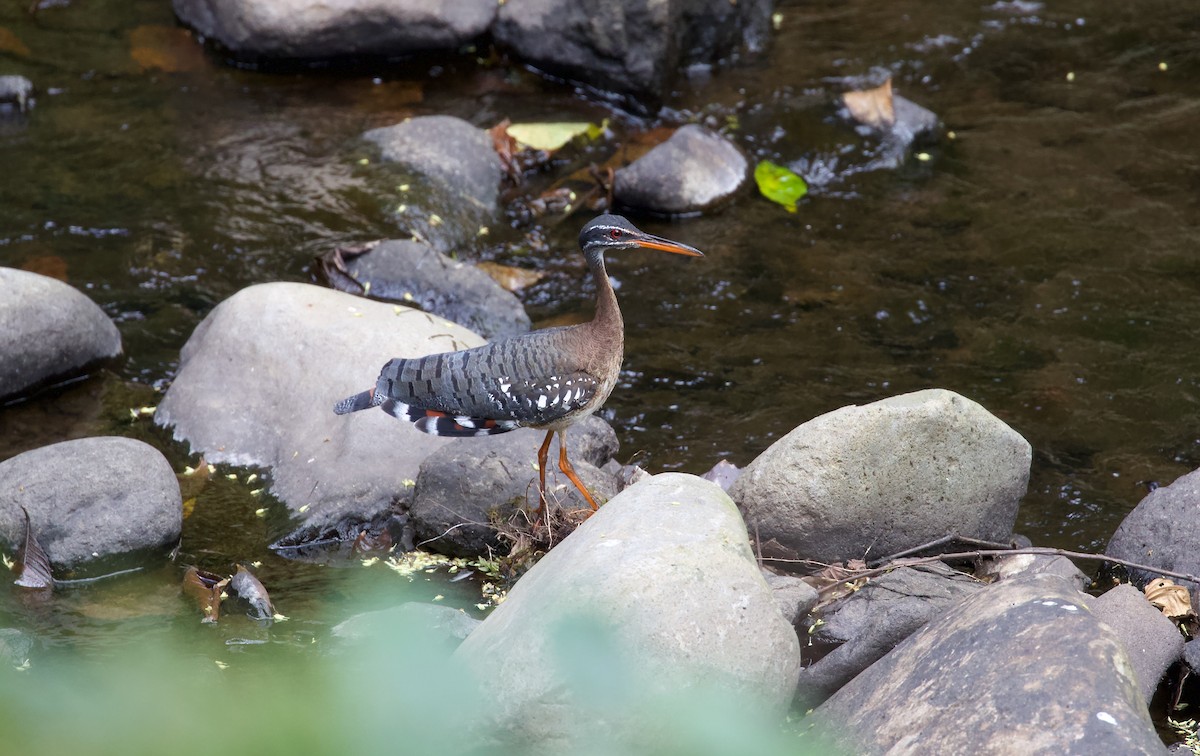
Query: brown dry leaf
column 832, row 573
column 506, row 148
column 513, row 279
column 167, row 48
column 47, row 265
column 32, row 565
column 1172, row 600
column 205, row 589
column 12, row 44
column 872, row 107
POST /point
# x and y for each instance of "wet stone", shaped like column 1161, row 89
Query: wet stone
column 17, row 92
column 309, row 29
column 49, row 331
column 692, row 171
column 92, row 500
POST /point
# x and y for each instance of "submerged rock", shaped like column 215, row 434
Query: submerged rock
column 311, row 29
column 447, row 624
column 409, row 272
column 876, row 479
column 692, row 171
column 91, row 500
column 1021, row 667
column 258, row 380
column 470, row 483
column 49, row 331
column 456, row 176
column 657, row 596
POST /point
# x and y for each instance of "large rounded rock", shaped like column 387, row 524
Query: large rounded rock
column 258, row 380
column 629, row 46
column 405, row 271
column 48, row 331
column 692, row 171
column 876, row 479
column 455, row 173
column 91, row 499
column 657, row 593
column 470, row 484
column 1022, row 667
column 1163, row 531
column 314, row 29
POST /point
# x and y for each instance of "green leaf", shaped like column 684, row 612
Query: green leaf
column 549, row 136
column 779, row 184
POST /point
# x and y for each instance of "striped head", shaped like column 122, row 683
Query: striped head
column 612, row 232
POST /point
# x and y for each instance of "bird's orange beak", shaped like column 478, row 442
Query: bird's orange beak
column 666, row 245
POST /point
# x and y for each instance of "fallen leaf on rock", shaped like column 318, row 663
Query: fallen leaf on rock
column 779, row 184
column 872, row 107
column 12, row 44
column 251, row 589
column 167, row 48
column 552, row 136
column 205, row 589
column 32, row 565
column 1171, row 599
column 513, row 279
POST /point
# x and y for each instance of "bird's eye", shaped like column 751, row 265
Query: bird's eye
column 615, row 233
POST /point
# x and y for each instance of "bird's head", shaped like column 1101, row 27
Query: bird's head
column 612, row 232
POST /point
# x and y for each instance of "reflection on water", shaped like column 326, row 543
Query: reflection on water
column 1041, row 262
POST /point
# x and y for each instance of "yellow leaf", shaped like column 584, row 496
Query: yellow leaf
column 549, row 136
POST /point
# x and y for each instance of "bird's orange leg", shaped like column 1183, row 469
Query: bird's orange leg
column 565, row 466
column 543, row 453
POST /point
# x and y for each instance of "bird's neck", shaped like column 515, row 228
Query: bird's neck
column 607, row 319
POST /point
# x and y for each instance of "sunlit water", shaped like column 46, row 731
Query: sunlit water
column 1041, row 261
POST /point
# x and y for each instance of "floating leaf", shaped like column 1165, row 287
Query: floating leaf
column 205, row 589
column 250, row 589
column 779, row 184
column 33, row 566
column 872, row 107
column 167, row 48
column 11, row 43
column 551, row 136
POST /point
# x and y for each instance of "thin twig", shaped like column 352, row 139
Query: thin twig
column 1031, row 550
column 967, row 540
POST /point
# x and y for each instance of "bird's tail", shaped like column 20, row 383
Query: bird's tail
column 361, row 401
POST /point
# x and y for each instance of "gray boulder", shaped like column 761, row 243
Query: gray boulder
column 91, row 500
column 410, row 272
column 1021, row 667
column 655, row 596
column 1163, row 531
column 454, row 172
column 629, row 46
column 311, row 29
column 692, row 171
column 1191, row 655
column 48, row 331
column 873, row 620
column 794, row 597
column 874, row 480
column 472, row 482
column 1023, row 565
column 258, row 380
column 1151, row 640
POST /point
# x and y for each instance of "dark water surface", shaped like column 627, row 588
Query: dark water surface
column 1042, row 261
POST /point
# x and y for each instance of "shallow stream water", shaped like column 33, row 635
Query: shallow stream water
column 1041, row 261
